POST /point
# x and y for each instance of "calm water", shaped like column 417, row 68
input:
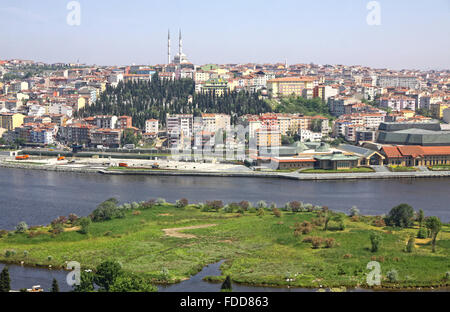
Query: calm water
column 37, row 197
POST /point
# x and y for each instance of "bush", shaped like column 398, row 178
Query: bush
column 375, row 239
column 447, row 276
column 422, row 233
column 261, row 204
column 181, row 203
column 330, row 242
column 252, row 210
column 401, row 216
column 73, row 218
column 379, row 222
column 105, row 211
column 273, row 206
column 392, row 276
column 148, row 204
column 411, row 244
column 136, row 213
column 354, row 211
column 57, row 228
column 276, row 212
column 295, row 206
column 85, row 224
column 315, row 242
column 245, row 205
column 160, row 201
column 354, row 218
column 260, row 212
column 22, row 227
column 134, row 205
column 214, row 205
column 3, row 233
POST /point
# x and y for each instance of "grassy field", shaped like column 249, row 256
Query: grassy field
column 259, row 250
column 359, row 169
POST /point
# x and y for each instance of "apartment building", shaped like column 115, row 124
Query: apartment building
column 10, row 121
column 286, row 86
column 106, row 137
column 398, row 103
column 151, row 126
column 179, row 126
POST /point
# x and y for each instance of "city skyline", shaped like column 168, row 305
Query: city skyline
column 411, row 34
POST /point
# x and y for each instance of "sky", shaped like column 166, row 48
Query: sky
column 412, row 34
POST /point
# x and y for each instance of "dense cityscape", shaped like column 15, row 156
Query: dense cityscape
column 304, row 115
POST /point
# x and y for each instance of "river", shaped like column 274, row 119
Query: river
column 38, row 196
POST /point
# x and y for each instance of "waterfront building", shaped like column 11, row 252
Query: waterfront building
column 416, row 155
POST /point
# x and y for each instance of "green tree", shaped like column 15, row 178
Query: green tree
column 434, row 225
column 55, row 286
column 86, row 282
column 411, row 244
column 105, row 211
column 401, row 216
column 85, row 224
column 420, row 217
column 5, row 281
column 131, row 283
column 226, row 285
column 106, row 274
column 375, row 239
column 22, row 227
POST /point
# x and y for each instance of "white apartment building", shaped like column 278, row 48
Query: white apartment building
column 151, row 126
column 398, row 103
column 60, row 109
column 179, row 126
column 106, row 122
column 309, row 136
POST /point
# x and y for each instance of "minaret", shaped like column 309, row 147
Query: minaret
column 180, row 44
column 168, row 47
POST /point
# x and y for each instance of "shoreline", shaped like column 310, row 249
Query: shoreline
column 252, row 174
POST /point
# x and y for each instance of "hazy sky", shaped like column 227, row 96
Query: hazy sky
column 413, row 34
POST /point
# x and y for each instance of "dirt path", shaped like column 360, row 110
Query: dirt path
column 174, row 232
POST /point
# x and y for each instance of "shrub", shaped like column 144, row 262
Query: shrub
column 261, row 204
column 127, row 206
column 330, row 242
column 136, row 213
column 160, row 201
column 392, row 276
column 375, row 239
column 295, row 206
column 8, row 253
column 148, row 204
column 447, row 276
column 318, row 221
column 379, row 222
column 73, row 218
column 57, row 228
column 85, row 224
column 422, row 233
column 228, row 209
column 25, row 253
column 49, row 258
column 309, row 207
column 276, row 212
column 401, row 216
column 273, row 206
column 315, row 242
column 354, row 211
column 354, row 218
column 181, row 203
column 252, row 210
column 410, row 245
column 305, row 227
column 260, row 212
column 105, row 211
column 3, row 233
column 347, row 256
column 22, row 227
column 60, row 220
column 134, row 205
column 245, row 205
column 214, row 205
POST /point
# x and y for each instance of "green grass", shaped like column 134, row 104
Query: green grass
column 351, row 170
column 258, row 250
